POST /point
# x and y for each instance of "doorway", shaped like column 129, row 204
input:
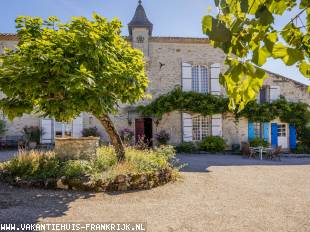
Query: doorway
column 144, row 130
column 282, row 136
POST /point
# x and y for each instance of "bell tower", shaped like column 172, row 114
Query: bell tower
column 140, row 30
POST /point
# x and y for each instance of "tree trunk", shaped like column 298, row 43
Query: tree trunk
column 114, row 136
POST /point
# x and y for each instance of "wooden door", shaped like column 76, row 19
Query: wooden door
column 139, row 129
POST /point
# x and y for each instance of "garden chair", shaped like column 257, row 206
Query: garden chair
column 275, row 154
column 248, row 151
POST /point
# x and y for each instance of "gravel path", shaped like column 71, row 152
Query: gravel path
column 245, row 196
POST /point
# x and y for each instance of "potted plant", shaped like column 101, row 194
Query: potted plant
column 162, row 137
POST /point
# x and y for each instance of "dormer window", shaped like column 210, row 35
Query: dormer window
column 140, row 39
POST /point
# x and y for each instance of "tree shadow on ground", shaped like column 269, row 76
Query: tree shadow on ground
column 20, row 205
column 201, row 162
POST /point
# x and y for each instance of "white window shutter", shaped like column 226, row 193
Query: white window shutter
column 187, row 127
column 186, row 77
column 274, row 93
column 217, row 125
column 77, row 127
column 215, row 79
column 47, row 128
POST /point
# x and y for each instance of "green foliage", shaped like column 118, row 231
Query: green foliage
column 245, row 31
column 77, row 168
column 257, row 142
column 2, row 127
column 302, row 148
column 42, row 165
column 166, row 151
column 63, row 69
column 106, row 158
column 212, row 144
column 90, row 132
column 187, row 147
column 34, row 165
column 293, row 113
column 177, row 100
column 32, row 134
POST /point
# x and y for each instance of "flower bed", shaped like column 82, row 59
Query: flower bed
column 142, row 169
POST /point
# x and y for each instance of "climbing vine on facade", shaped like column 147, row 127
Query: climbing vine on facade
column 297, row 114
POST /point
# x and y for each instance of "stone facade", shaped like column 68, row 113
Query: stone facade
column 164, row 57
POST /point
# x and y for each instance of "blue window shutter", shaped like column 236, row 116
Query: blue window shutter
column 274, row 134
column 292, row 136
column 251, row 132
column 266, row 131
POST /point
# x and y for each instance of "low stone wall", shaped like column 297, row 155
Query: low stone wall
column 119, row 183
column 76, row 148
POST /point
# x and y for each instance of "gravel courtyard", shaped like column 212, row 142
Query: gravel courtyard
column 233, row 194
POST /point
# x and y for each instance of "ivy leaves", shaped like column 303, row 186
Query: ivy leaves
column 290, row 112
column 249, row 39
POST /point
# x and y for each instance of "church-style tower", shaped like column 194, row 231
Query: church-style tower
column 140, row 29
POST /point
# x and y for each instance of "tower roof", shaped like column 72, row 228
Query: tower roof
column 140, row 20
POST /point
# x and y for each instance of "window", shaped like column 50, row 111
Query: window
column 200, row 79
column 264, row 94
column 201, row 127
column 140, row 39
column 257, row 130
column 281, row 130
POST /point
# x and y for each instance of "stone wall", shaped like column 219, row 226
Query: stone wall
column 170, row 52
column 73, row 148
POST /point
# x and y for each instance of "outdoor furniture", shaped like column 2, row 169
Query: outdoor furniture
column 7, row 142
column 274, row 154
column 261, row 151
column 247, row 151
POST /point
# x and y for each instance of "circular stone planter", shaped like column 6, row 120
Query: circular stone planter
column 85, row 183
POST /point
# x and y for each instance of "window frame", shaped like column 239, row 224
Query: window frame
column 200, row 79
column 201, row 127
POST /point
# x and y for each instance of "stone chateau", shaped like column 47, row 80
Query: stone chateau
column 191, row 63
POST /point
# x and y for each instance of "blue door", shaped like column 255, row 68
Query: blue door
column 293, row 137
column 274, row 134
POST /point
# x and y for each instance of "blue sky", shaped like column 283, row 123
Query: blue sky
column 170, row 18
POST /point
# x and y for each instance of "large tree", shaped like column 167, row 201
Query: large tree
column 245, row 30
column 60, row 70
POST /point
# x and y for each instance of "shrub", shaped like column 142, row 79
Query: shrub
column 106, row 158
column 259, row 142
column 166, row 151
column 302, row 149
column 32, row 134
column 212, row 144
column 90, row 132
column 187, row 147
column 162, row 137
column 147, row 167
column 2, row 127
column 146, row 160
column 77, row 168
column 34, row 165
